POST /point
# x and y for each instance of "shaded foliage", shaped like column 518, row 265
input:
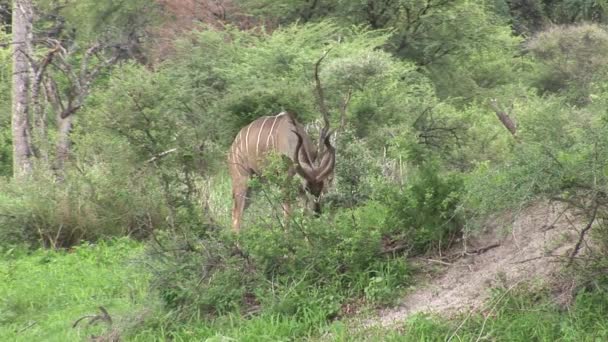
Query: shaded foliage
column 573, row 60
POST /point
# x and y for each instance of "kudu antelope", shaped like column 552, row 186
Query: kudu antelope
column 284, row 135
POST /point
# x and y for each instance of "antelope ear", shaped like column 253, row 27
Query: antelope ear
column 328, row 162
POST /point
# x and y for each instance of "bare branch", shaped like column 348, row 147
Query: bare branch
column 581, row 236
column 38, row 109
column 85, row 59
column 504, row 117
column 80, row 82
column 344, row 107
column 95, row 72
column 43, row 64
column 321, row 101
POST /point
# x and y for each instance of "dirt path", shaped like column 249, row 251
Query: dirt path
column 541, row 235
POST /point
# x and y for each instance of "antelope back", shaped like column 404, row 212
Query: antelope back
column 266, row 134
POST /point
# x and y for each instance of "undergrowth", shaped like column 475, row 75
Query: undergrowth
column 303, row 268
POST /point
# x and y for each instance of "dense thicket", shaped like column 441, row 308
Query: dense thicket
column 445, row 110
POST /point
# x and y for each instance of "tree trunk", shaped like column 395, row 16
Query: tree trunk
column 22, row 40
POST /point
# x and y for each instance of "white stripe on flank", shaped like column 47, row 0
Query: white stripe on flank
column 272, row 129
column 257, row 146
column 247, row 138
column 241, row 141
column 234, row 149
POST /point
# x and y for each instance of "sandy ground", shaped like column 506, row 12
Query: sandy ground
column 529, row 245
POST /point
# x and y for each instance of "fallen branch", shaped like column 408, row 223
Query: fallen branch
column 503, row 295
column 475, row 251
column 160, row 155
column 104, row 316
column 484, row 249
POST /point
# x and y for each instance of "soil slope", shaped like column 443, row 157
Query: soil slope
column 529, row 245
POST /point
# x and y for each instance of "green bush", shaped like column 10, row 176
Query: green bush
column 199, row 276
column 561, row 155
column 353, row 179
column 425, row 214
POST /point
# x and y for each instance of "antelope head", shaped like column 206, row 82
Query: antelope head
column 315, row 172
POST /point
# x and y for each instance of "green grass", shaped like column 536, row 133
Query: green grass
column 265, row 327
column 44, row 292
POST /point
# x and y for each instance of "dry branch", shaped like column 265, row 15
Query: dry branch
column 483, row 249
column 582, row 234
column 80, row 80
column 344, row 107
column 504, row 117
column 321, row 101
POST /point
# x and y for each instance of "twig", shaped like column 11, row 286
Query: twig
column 483, row 249
column 552, row 225
column 529, row 259
column 461, row 324
column 27, row 327
column 344, row 107
column 581, row 236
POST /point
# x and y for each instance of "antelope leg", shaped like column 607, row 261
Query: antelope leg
column 239, row 199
